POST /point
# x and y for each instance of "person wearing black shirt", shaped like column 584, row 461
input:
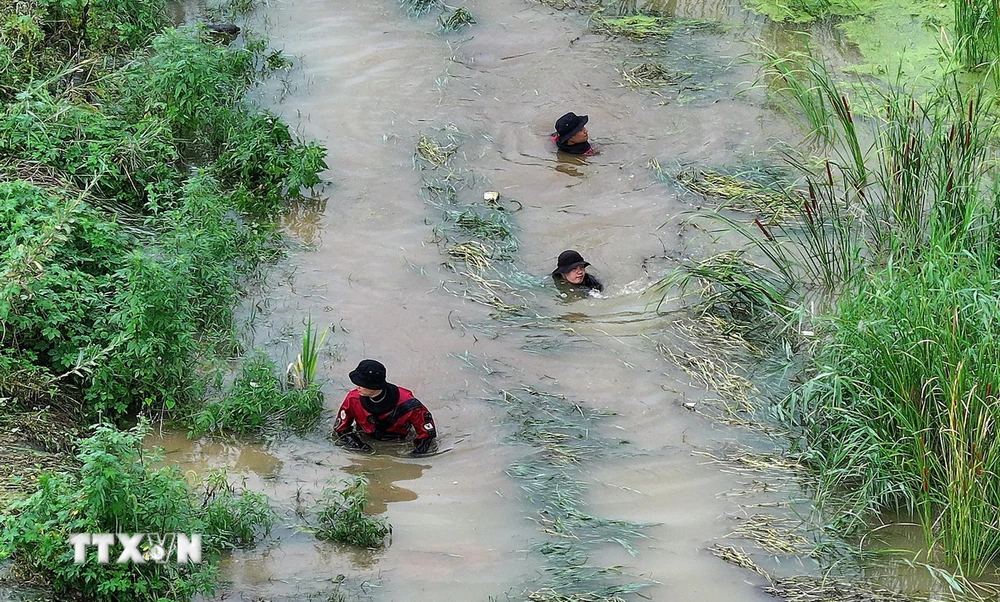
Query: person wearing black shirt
column 571, row 136
column 571, row 271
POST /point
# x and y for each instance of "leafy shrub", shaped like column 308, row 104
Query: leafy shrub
column 117, row 490
column 257, row 401
column 58, row 259
column 119, row 158
column 119, row 315
column 190, row 83
column 342, row 516
column 261, row 155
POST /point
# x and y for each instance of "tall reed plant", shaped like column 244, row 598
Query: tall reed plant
column 977, row 28
column 302, row 372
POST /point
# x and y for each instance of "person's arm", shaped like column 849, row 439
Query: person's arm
column 423, row 425
column 343, row 428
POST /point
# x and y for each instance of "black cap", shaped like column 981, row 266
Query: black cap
column 569, row 125
column 369, row 374
column 569, row 261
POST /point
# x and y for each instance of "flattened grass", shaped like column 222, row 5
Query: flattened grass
column 741, row 194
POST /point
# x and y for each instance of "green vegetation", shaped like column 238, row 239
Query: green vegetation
column 302, row 372
column 342, row 516
column 117, row 490
column 977, row 28
column 134, row 199
column 257, row 401
column 803, row 11
column 897, row 246
column 138, row 189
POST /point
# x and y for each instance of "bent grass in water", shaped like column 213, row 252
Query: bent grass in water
column 341, row 516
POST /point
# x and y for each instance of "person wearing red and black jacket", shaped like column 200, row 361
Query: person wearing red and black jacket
column 382, row 411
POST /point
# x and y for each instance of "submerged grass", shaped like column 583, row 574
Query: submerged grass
column 457, row 19
column 741, row 194
column 651, row 75
column 484, row 251
column 640, row 27
column 561, row 432
column 560, row 435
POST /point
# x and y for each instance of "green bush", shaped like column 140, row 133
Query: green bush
column 190, row 83
column 257, row 401
column 117, row 490
column 59, row 258
column 90, row 147
column 122, row 269
column 342, row 516
column 261, row 155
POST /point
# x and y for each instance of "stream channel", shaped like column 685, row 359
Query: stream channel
column 477, row 521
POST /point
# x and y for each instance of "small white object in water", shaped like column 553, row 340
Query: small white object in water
column 689, row 405
column 491, row 196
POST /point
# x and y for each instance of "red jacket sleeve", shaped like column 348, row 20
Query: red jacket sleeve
column 345, row 416
column 422, row 422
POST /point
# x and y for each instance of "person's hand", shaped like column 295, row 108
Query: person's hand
column 422, row 446
column 353, row 441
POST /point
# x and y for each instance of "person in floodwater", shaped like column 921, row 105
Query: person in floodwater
column 571, row 135
column 571, row 272
column 382, row 411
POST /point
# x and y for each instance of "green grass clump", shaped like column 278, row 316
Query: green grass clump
column 802, row 11
column 492, row 226
column 977, row 29
column 635, row 27
column 257, row 401
column 650, row 27
column 342, row 516
column 117, row 490
column 302, row 372
column 910, row 384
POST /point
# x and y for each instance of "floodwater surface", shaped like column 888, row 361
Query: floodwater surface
column 369, row 82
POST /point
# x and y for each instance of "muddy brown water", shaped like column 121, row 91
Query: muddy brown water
column 370, row 81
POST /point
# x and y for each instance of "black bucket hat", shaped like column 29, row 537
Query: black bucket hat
column 567, row 262
column 369, row 374
column 569, row 125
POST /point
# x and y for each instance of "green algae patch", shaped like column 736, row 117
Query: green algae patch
column 904, row 36
column 804, row 11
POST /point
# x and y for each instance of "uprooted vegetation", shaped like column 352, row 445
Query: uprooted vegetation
column 478, row 238
column 560, row 436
